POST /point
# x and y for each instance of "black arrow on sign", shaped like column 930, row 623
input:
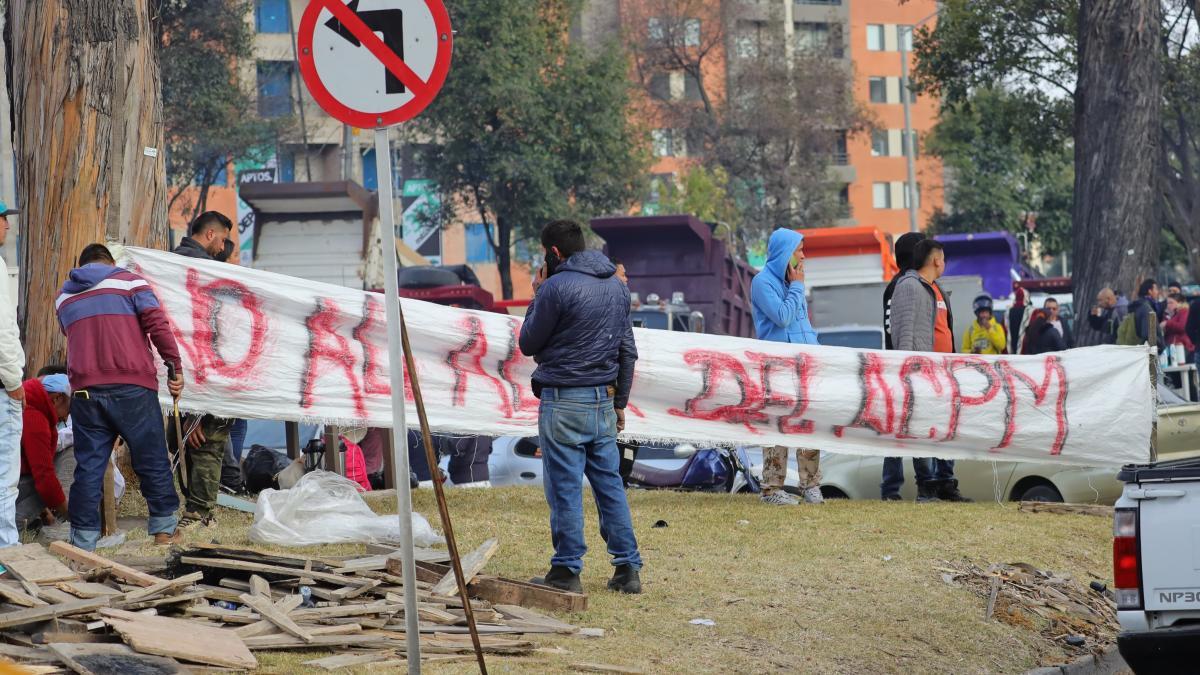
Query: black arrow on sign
column 390, row 22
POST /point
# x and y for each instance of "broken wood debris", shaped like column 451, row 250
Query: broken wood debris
column 232, row 602
column 1022, row 595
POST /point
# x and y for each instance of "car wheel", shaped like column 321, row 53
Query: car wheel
column 829, row 492
column 1041, row 493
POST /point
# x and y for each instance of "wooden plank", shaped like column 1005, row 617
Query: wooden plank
column 87, row 589
column 318, row 641
column 101, row 659
column 11, row 594
column 267, row 610
column 517, row 615
column 286, row 605
column 606, row 668
column 31, row 562
column 347, row 660
column 52, row 637
column 168, row 600
column 27, row 654
column 47, row 612
column 222, row 614
column 163, row 586
column 53, row 595
column 119, row 571
column 242, row 565
column 181, row 639
column 503, row 591
column 346, row 610
column 218, row 593
column 472, row 563
column 259, row 586
column 437, row 616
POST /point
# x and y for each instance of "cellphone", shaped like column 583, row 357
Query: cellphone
column 552, row 263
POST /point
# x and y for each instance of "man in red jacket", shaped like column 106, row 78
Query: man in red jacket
column 47, row 403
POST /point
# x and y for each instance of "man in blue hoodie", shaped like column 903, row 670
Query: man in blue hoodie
column 781, row 315
column 578, row 331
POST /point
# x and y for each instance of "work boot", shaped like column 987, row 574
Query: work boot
column 947, row 490
column 892, row 497
column 166, row 539
column 927, row 491
column 561, row 578
column 625, row 580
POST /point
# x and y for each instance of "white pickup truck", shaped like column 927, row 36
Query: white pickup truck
column 1156, row 566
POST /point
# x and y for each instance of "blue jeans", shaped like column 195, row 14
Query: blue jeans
column 99, row 415
column 578, row 433
column 237, row 437
column 925, row 468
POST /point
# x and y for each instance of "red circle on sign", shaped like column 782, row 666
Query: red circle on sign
column 366, row 120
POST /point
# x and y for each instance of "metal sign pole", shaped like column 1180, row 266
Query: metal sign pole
column 387, row 226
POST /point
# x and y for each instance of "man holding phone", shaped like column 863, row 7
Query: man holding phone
column 781, row 315
column 578, row 331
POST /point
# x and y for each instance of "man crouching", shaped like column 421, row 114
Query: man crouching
column 577, row 329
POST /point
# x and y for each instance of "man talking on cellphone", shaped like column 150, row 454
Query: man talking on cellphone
column 577, row 329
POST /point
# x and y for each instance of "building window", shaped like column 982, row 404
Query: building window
column 669, row 143
column 660, row 86
column 812, row 37
column 654, row 29
column 875, row 37
column 904, row 191
column 287, row 168
column 881, row 195
column 841, row 154
column 878, row 87
column 271, row 16
column 691, row 33
column 479, row 246
column 879, row 143
column 904, row 37
column 691, row 87
column 844, row 202
column 274, row 88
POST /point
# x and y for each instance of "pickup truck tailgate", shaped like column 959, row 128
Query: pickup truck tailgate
column 1169, row 520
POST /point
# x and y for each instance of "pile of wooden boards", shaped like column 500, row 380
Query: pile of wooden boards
column 99, row 615
column 1077, row 618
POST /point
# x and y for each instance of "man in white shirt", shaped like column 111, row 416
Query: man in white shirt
column 12, row 367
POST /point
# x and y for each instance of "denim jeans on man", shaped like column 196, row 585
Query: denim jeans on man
column 925, row 468
column 99, row 415
column 11, row 421
column 578, row 433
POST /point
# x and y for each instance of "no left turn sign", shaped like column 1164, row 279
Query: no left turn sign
column 374, row 63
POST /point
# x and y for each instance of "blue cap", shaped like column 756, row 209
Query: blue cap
column 5, row 211
column 56, row 384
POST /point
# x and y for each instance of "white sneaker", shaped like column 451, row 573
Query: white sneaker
column 779, row 498
column 812, row 495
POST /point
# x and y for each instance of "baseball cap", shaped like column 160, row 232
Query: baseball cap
column 5, row 211
column 56, row 384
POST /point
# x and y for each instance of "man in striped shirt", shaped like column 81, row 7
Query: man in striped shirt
column 110, row 317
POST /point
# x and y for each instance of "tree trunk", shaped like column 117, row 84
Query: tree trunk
column 1118, row 104
column 504, row 255
column 87, row 96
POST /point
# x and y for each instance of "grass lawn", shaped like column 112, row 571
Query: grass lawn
column 802, row 589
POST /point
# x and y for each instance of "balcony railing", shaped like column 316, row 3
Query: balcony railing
column 840, row 158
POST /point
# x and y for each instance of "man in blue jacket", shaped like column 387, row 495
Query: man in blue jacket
column 781, row 315
column 578, row 331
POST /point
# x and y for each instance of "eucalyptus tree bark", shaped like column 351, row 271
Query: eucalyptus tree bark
column 1118, row 121
column 86, row 92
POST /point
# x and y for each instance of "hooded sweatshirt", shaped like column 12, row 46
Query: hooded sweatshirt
column 780, row 308
column 107, row 314
column 39, row 442
column 577, row 328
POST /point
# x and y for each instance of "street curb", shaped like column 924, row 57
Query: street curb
column 1109, row 662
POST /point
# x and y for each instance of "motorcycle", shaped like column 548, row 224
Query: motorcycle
column 706, row 470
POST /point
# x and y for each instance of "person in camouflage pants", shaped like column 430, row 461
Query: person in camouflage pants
column 774, row 472
column 205, row 456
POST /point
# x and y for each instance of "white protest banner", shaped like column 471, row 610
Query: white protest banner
column 265, row 346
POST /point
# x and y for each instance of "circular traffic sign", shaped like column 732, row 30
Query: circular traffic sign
column 374, row 63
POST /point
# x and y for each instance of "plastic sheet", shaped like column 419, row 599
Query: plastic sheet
column 325, row 508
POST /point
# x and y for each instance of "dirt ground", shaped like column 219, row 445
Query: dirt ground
column 848, row 587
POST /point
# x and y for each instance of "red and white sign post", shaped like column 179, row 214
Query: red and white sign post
column 374, row 64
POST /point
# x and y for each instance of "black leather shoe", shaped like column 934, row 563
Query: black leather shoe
column 625, row 580
column 561, row 578
column 927, row 491
column 947, row 490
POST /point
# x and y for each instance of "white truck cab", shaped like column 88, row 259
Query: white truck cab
column 1156, row 566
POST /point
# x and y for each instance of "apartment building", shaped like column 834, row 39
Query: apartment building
column 864, row 35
